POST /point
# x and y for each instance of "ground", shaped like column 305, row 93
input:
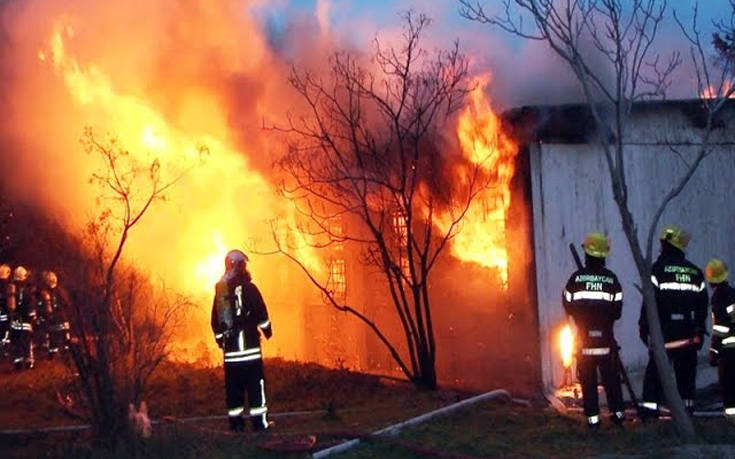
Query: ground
column 334, row 405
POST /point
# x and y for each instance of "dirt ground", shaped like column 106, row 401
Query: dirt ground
column 304, row 399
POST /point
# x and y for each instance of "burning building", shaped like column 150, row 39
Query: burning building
column 204, row 76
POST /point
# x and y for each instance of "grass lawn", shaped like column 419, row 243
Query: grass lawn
column 344, row 405
column 493, row 429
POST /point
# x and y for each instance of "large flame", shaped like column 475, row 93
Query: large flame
column 566, row 345
column 482, row 238
column 220, row 204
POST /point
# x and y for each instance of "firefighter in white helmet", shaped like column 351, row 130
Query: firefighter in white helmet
column 681, row 301
column 593, row 298
column 239, row 317
column 54, row 304
column 5, row 272
column 722, row 350
column 22, row 318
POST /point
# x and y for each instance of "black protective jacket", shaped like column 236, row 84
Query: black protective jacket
column 681, row 299
column 593, row 297
column 239, row 315
column 21, row 305
column 53, row 303
column 4, row 286
column 723, row 317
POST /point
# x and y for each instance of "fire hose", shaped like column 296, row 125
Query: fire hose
column 616, row 351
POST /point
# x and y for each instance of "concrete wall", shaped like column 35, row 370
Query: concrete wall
column 572, row 196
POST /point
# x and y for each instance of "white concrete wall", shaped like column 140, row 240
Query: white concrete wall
column 572, row 196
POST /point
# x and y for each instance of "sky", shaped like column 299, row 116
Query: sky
column 520, row 68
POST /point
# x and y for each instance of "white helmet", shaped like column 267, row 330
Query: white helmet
column 51, row 280
column 20, row 274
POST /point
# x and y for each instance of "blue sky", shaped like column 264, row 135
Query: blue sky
column 520, row 68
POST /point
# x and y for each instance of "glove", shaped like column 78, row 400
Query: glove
column 267, row 332
column 714, row 358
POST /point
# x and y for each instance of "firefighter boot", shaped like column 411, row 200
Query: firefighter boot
column 617, row 418
column 593, row 422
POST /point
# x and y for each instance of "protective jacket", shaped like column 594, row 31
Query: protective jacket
column 54, row 303
column 21, row 306
column 238, row 313
column 594, row 298
column 723, row 318
column 681, row 300
column 4, row 313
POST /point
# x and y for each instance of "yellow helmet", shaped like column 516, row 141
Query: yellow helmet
column 20, row 274
column 676, row 237
column 715, row 271
column 4, row 271
column 50, row 278
column 596, row 245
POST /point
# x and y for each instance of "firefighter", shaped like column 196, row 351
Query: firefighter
column 239, row 316
column 722, row 350
column 22, row 318
column 5, row 272
column 593, row 298
column 53, row 301
column 681, row 300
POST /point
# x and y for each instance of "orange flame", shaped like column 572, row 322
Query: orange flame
column 482, row 238
column 566, row 345
column 221, row 205
column 710, row 92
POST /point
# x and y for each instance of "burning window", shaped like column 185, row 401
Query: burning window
column 400, row 228
column 337, row 282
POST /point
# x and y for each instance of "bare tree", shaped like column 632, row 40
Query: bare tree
column 122, row 326
column 368, row 169
column 583, row 32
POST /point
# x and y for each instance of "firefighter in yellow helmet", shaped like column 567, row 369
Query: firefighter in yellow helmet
column 593, row 298
column 239, row 317
column 681, row 300
column 722, row 349
column 22, row 318
column 5, row 272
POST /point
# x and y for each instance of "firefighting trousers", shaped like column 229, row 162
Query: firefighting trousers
column 685, row 369
column 58, row 337
column 241, row 377
column 587, row 366
column 726, row 371
column 21, row 341
column 4, row 330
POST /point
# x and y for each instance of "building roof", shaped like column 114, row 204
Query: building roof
column 574, row 123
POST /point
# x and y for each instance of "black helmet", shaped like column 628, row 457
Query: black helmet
column 235, row 258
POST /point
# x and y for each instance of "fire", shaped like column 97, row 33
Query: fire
column 566, row 345
column 482, row 238
column 221, row 204
column 711, row 92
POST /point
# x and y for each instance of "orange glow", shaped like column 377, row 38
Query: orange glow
column 711, row 92
column 221, row 204
column 566, row 345
column 482, row 236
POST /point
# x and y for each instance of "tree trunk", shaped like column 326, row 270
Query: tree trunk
column 427, row 376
